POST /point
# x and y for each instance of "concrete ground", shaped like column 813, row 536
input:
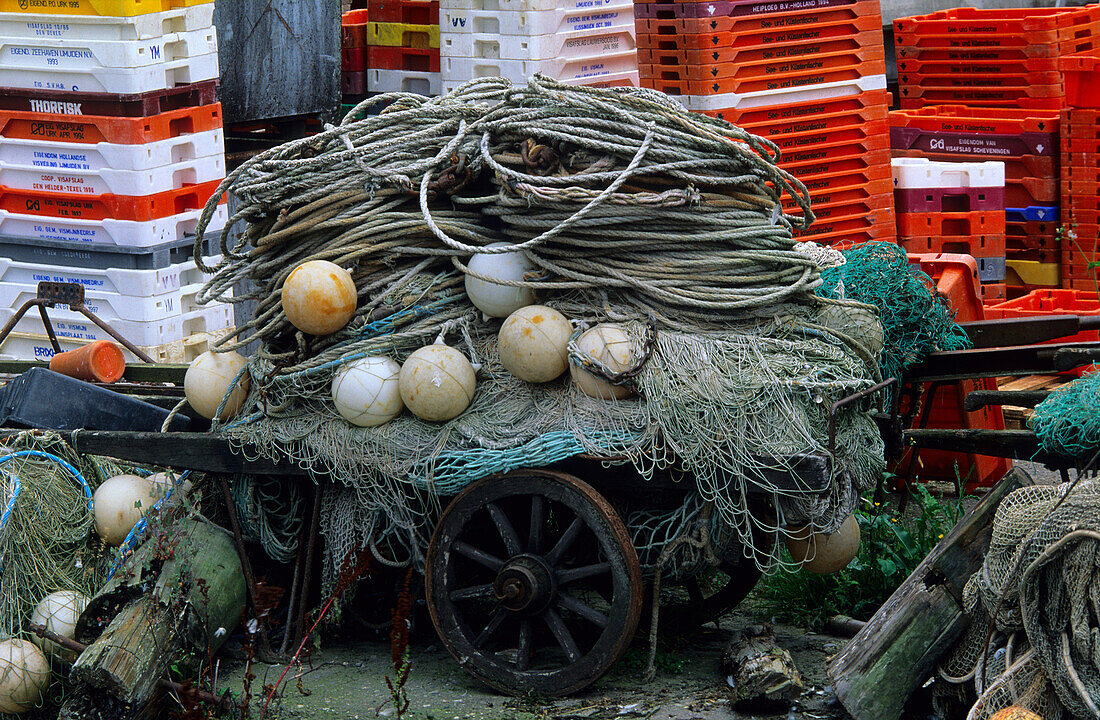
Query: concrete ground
column 348, row 681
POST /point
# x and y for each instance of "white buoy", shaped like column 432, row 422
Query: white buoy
column 437, row 383
column 611, row 345
column 119, row 503
column 208, row 378
column 493, row 299
column 319, row 297
column 367, row 392
column 24, row 675
column 59, row 612
column 533, row 343
column 824, row 553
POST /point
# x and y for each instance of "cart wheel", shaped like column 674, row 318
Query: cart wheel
column 707, row 603
column 517, row 575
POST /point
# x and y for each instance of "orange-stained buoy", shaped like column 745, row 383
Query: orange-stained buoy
column 101, row 361
column 1015, row 712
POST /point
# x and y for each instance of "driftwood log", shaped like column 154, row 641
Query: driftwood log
column 897, row 651
column 183, row 589
column 762, row 674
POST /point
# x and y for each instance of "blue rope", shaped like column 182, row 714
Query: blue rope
column 126, row 549
column 18, row 485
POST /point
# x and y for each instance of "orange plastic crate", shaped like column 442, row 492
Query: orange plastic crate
column 858, row 137
column 1004, row 48
column 1039, row 25
column 1081, row 123
column 63, row 102
column 977, row 246
column 977, row 223
column 101, row 128
column 839, row 37
column 965, row 119
column 353, row 28
column 101, row 207
column 965, row 80
column 845, row 69
column 808, row 116
column 1048, row 302
column 866, row 226
column 1040, row 97
column 1081, row 73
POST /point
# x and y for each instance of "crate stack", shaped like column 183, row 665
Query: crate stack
column 579, row 42
column 1017, row 138
column 807, row 75
column 392, row 46
column 1081, row 173
column 110, row 146
column 990, row 79
column 954, row 207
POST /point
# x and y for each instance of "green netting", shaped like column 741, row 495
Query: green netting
column 1068, row 421
column 916, row 320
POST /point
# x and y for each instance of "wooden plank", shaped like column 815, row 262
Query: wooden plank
column 135, row 372
column 185, row 451
column 899, row 647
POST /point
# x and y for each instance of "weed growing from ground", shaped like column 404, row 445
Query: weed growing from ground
column 890, row 549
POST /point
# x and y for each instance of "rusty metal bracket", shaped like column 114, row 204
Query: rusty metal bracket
column 835, row 407
column 51, row 294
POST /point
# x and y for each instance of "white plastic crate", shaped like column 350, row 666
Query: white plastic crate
column 456, row 71
column 423, row 83
column 784, row 96
column 112, row 307
column 35, row 346
column 536, row 22
column 527, row 5
column 149, row 333
column 114, row 80
column 562, row 46
column 922, row 173
column 83, row 54
column 94, row 27
column 619, row 79
column 67, row 157
column 117, row 182
column 135, row 283
column 128, row 233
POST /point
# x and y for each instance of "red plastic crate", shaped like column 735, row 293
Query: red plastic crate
column 1036, row 234
column 681, row 20
column 414, row 12
column 813, row 161
column 1037, row 24
column 353, row 28
column 1083, row 189
column 1081, row 217
column 1041, row 256
column 1073, row 203
column 986, row 48
column 353, row 83
column 874, row 226
column 839, row 38
column 940, row 200
column 353, row 59
column 100, row 207
column 978, row 121
column 985, row 145
column 977, row 246
column 872, row 207
column 1041, row 97
column 969, row 81
column 1082, row 168
column 62, row 102
column 866, row 135
column 980, row 68
column 1048, row 302
column 402, row 58
column 1076, row 147
column 660, row 9
column 1081, row 73
column 993, row 293
column 879, row 191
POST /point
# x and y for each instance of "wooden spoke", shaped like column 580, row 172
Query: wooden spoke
column 534, row 535
column 583, row 572
column 495, row 621
column 576, row 606
column 504, row 527
column 490, row 561
column 475, row 591
column 565, row 541
column 562, row 634
column 524, row 649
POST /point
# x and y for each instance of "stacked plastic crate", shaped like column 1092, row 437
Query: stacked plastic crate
column 807, row 75
column 1003, row 66
column 392, row 46
column 110, row 146
column 580, row 42
column 1081, row 173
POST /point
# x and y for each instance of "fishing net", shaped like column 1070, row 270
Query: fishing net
column 1067, row 422
column 915, row 320
column 46, row 524
column 1034, row 636
column 631, row 210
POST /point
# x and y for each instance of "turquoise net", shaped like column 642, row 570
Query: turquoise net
column 1068, row 421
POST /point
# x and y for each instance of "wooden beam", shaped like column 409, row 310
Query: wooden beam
column 897, row 651
column 135, row 372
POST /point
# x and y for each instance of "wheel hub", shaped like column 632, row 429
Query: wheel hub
column 525, row 584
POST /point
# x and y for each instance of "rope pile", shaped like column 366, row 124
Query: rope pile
column 633, row 211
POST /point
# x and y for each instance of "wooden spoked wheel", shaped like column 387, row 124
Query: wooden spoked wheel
column 533, row 583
